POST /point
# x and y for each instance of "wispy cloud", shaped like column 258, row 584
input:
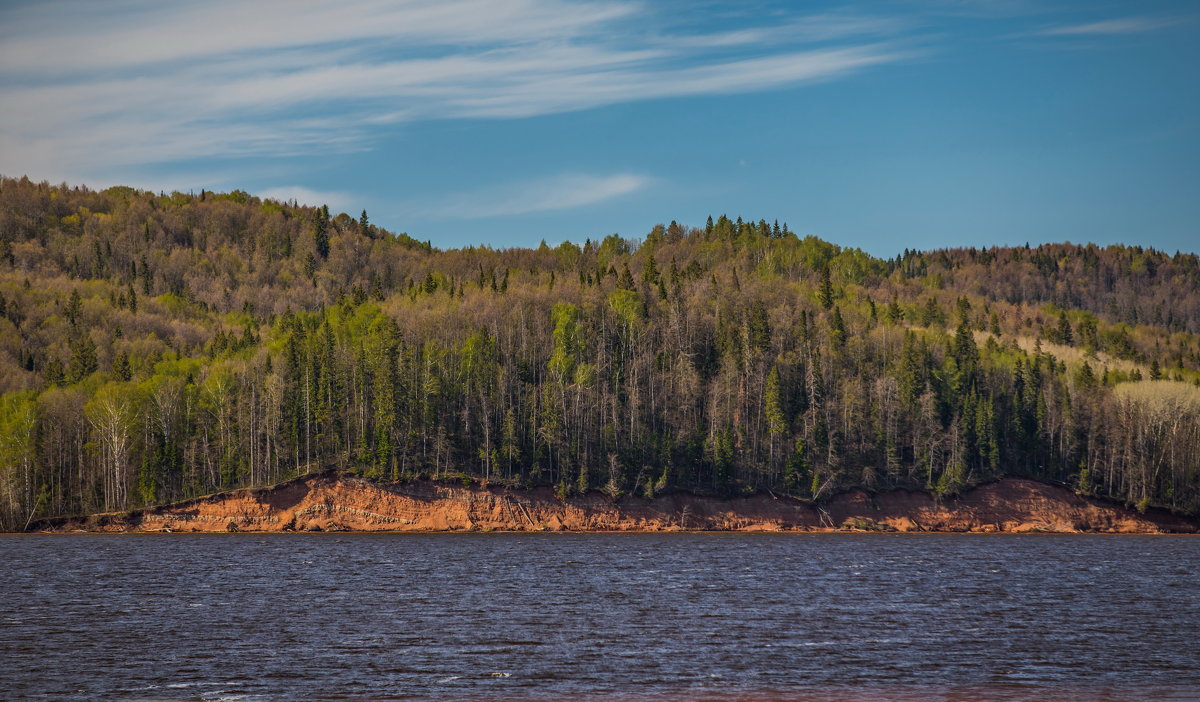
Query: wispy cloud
column 560, row 192
column 88, row 87
column 69, row 35
column 1127, row 25
column 823, row 27
column 980, row 9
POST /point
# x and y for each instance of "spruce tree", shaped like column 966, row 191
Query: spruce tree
column 121, row 366
column 321, row 232
column 826, row 291
column 83, row 358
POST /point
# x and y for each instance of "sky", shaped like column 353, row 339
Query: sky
column 883, row 125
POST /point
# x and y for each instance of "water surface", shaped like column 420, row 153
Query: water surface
column 599, row 616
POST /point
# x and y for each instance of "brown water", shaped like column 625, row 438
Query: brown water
column 621, row 616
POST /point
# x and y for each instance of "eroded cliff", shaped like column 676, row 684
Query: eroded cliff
column 343, row 502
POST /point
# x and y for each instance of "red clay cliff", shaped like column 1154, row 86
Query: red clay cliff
column 344, row 502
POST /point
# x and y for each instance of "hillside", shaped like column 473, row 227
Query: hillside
column 157, row 347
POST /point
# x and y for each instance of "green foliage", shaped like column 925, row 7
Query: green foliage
column 567, row 341
column 321, row 232
column 169, row 346
column 776, row 424
column 121, row 368
column 83, row 358
column 759, row 326
column 627, row 306
column 931, row 313
column 825, row 294
column 837, row 329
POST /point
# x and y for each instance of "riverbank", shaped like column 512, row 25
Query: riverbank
column 335, row 501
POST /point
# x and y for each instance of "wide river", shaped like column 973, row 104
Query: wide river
column 599, row 617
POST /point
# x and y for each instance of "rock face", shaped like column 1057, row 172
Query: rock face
column 342, row 502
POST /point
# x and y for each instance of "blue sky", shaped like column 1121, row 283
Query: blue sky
column 884, row 125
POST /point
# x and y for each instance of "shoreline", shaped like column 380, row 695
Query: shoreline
column 335, row 502
column 593, row 532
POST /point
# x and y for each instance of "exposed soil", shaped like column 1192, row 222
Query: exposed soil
column 342, row 502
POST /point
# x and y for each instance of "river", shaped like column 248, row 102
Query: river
column 803, row 617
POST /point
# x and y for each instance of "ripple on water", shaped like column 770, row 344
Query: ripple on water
column 640, row 617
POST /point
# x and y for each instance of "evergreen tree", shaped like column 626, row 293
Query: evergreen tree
column 759, row 326
column 74, row 308
column 1065, row 335
column 626, row 280
column 826, row 291
column 837, row 329
column 83, row 358
column 321, row 232
column 650, row 272
column 52, row 373
column 121, row 366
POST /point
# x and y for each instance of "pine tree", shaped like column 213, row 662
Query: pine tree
column 826, row 291
column 146, row 275
column 773, row 408
column 52, row 373
column 966, row 353
column 121, row 366
column 83, row 358
column 1085, row 377
column 911, row 371
column 895, row 315
column 1065, row 336
column 650, row 272
column 931, row 314
column 837, row 329
column 759, row 326
column 321, row 233
column 626, row 280
column 74, row 308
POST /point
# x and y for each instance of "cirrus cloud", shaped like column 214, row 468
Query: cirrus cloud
column 560, row 192
column 91, row 88
column 1125, row 25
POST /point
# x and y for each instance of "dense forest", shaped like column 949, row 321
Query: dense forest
column 160, row 346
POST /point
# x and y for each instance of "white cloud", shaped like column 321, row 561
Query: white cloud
column 561, row 92
column 70, row 35
column 1127, row 25
column 983, row 9
column 89, row 87
column 814, row 28
column 560, row 192
column 306, row 196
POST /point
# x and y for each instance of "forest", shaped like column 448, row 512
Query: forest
column 159, row 346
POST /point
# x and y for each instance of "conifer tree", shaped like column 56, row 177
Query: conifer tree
column 83, row 358
column 826, row 291
column 321, row 232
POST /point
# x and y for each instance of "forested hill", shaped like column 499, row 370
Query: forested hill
column 155, row 347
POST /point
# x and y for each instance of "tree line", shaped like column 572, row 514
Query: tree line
column 155, row 347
